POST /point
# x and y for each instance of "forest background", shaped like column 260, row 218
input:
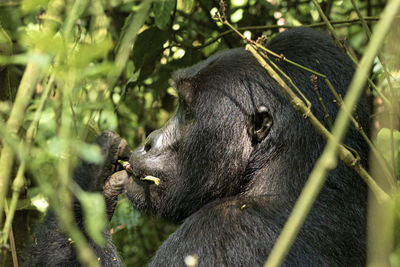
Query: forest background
column 72, row 68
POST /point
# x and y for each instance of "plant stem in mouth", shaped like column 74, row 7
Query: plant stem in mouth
column 127, row 166
column 153, row 179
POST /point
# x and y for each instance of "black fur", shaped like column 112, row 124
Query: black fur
column 231, row 186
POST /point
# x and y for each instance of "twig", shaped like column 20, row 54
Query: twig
column 390, row 176
column 12, row 241
column 345, row 155
column 338, row 98
column 329, row 25
column 318, row 175
column 272, row 27
column 321, row 101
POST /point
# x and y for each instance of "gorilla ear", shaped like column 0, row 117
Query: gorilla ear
column 259, row 125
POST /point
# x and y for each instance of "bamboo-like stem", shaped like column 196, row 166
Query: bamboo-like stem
column 324, row 163
column 391, row 177
column 63, row 204
column 388, row 78
column 18, row 184
column 25, row 91
column 19, row 180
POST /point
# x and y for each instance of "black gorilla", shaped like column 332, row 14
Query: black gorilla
column 232, row 162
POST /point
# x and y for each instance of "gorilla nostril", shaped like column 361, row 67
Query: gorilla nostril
column 147, row 147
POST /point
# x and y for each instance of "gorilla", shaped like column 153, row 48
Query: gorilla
column 231, row 162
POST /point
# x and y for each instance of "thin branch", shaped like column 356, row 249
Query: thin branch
column 345, row 155
column 328, row 25
column 390, row 176
column 12, row 241
column 327, row 160
column 338, row 99
column 272, row 27
column 321, row 101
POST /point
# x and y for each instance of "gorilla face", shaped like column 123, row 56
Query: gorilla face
column 202, row 153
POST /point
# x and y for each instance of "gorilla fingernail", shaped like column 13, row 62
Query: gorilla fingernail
column 127, row 166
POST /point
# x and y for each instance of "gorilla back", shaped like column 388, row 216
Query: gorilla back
column 234, row 159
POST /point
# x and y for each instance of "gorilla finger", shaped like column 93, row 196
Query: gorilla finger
column 111, row 189
column 115, row 184
column 111, row 155
column 124, row 151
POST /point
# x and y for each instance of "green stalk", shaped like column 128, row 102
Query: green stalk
column 328, row 24
column 128, row 38
column 392, row 177
column 345, row 155
column 25, row 91
column 19, row 180
column 328, row 159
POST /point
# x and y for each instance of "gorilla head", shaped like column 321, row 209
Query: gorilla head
column 235, row 134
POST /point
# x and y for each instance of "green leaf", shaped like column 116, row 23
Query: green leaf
column 384, row 145
column 188, row 5
column 5, row 43
column 148, row 46
column 94, row 215
column 28, row 6
column 87, row 53
column 44, row 41
column 162, row 11
column 90, row 152
column 125, row 214
column 128, row 36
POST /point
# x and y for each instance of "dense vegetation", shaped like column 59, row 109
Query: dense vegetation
column 69, row 69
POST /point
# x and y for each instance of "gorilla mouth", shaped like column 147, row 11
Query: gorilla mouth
column 127, row 166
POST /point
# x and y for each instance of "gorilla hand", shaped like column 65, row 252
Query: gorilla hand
column 103, row 177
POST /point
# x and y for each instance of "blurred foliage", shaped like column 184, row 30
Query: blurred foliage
column 384, row 143
column 80, row 58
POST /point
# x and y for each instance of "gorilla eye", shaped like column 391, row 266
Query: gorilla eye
column 186, row 114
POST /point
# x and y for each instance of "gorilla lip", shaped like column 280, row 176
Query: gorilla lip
column 127, row 166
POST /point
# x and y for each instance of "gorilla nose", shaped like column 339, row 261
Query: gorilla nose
column 153, row 143
column 147, row 146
